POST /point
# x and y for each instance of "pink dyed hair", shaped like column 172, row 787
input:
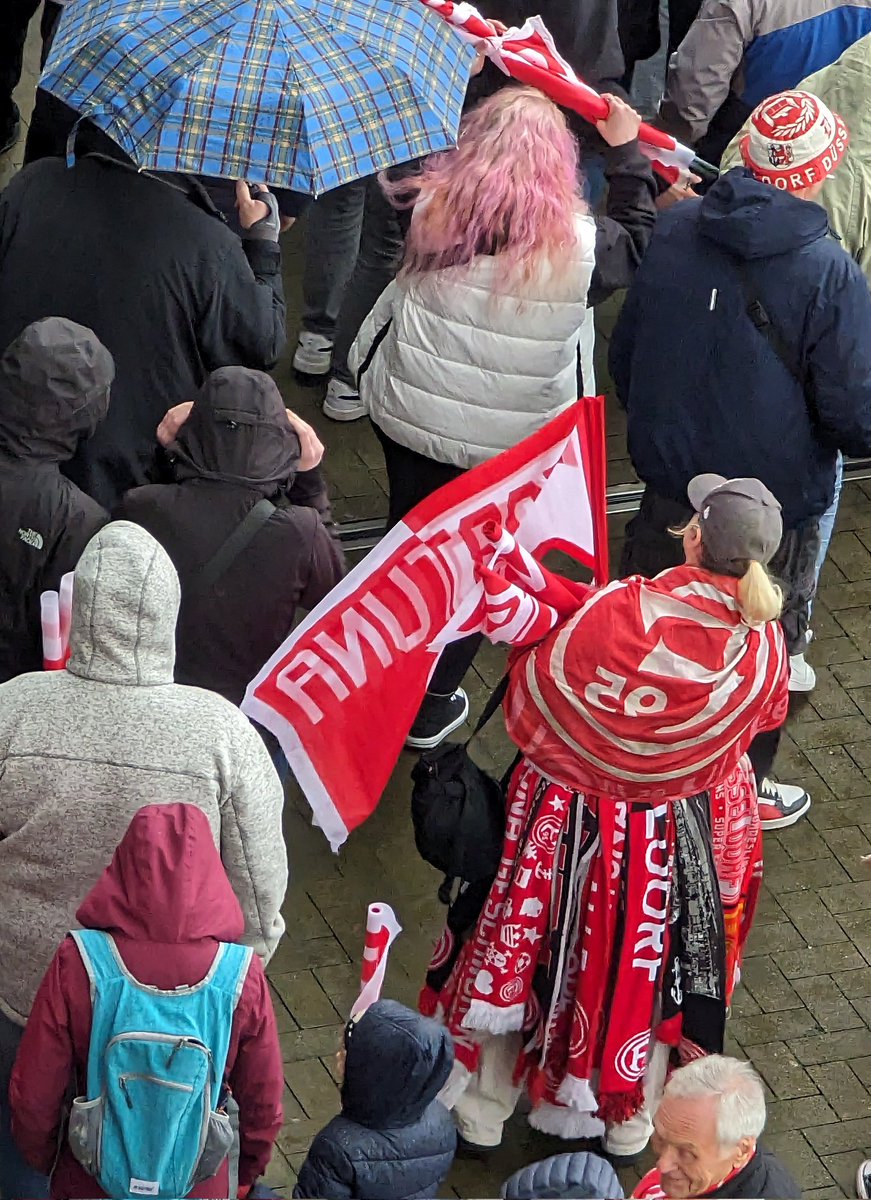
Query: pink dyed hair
column 510, row 188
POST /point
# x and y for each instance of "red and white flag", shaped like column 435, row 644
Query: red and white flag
column 529, row 55
column 382, row 930
column 342, row 691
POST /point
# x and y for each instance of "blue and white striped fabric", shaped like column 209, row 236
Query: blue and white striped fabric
column 304, row 94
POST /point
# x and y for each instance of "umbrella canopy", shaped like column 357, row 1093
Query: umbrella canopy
column 304, row 94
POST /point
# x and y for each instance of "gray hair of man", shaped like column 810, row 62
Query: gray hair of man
column 741, row 1111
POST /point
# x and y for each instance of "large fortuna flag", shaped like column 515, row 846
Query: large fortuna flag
column 529, row 55
column 342, row 691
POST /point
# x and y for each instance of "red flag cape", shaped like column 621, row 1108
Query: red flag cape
column 670, row 704
column 342, row 691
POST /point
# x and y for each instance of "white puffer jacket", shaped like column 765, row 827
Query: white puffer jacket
column 462, row 374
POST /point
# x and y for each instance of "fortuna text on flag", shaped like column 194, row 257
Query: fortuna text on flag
column 342, row 691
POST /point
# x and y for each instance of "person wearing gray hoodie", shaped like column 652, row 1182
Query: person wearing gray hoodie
column 82, row 750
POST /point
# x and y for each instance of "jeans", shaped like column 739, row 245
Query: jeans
column 352, row 253
column 15, row 17
column 18, row 1181
column 377, row 262
column 827, row 520
column 332, row 232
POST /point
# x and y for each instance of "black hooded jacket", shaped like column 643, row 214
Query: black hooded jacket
column 152, row 268
column 393, row 1140
column 54, row 391
column 235, row 449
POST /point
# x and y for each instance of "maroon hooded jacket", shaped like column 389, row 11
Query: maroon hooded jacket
column 166, row 900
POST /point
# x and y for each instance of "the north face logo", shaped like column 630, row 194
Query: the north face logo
column 32, row 538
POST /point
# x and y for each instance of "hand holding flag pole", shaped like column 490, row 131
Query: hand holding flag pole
column 529, row 55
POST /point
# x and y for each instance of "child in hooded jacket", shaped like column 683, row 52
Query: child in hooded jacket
column 393, row 1139
column 167, row 903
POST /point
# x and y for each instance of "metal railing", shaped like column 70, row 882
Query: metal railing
column 623, row 499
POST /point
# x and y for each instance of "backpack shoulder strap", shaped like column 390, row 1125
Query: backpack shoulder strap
column 211, row 572
column 758, row 314
column 232, row 969
column 97, row 951
column 496, row 698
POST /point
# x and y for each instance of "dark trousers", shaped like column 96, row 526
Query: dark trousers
column 649, row 548
column 412, row 477
column 638, row 24
column 18, row 1180
column 15, row 17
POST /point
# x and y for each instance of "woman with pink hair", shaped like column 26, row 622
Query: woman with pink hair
column 487, row 332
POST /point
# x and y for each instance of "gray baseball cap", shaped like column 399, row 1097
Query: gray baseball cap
column 739, row 519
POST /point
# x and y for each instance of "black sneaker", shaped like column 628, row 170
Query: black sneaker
column 781, row 804
column 863, row 1180
column 10, row 130
column 437, row 717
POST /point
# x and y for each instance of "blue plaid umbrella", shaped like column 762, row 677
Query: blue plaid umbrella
column 305, row 94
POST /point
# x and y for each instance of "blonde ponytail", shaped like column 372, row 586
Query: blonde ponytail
column 760, row 599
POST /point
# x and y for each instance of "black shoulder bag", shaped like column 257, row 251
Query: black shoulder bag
column 458, row 810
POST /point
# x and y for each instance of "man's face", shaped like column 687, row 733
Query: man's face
column 689, row 1156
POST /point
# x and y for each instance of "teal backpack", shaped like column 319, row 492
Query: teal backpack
column 151, row 1123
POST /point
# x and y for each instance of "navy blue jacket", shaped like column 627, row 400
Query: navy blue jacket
column 702, row 386
column 393, row 1139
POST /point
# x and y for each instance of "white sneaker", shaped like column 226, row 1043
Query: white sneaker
column 314, row 354
column 781, row 804
column 802, row 676
column 342, row 402
column 863, row 1180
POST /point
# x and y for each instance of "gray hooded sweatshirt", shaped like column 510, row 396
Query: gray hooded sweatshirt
column 82, row 750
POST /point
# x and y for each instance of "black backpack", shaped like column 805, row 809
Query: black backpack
column 458, row 810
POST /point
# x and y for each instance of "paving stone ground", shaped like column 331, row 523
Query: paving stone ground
column 803, row 1012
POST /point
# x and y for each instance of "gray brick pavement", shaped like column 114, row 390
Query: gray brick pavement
column 802, row 1015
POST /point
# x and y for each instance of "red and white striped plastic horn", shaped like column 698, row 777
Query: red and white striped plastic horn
column 382, row 930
